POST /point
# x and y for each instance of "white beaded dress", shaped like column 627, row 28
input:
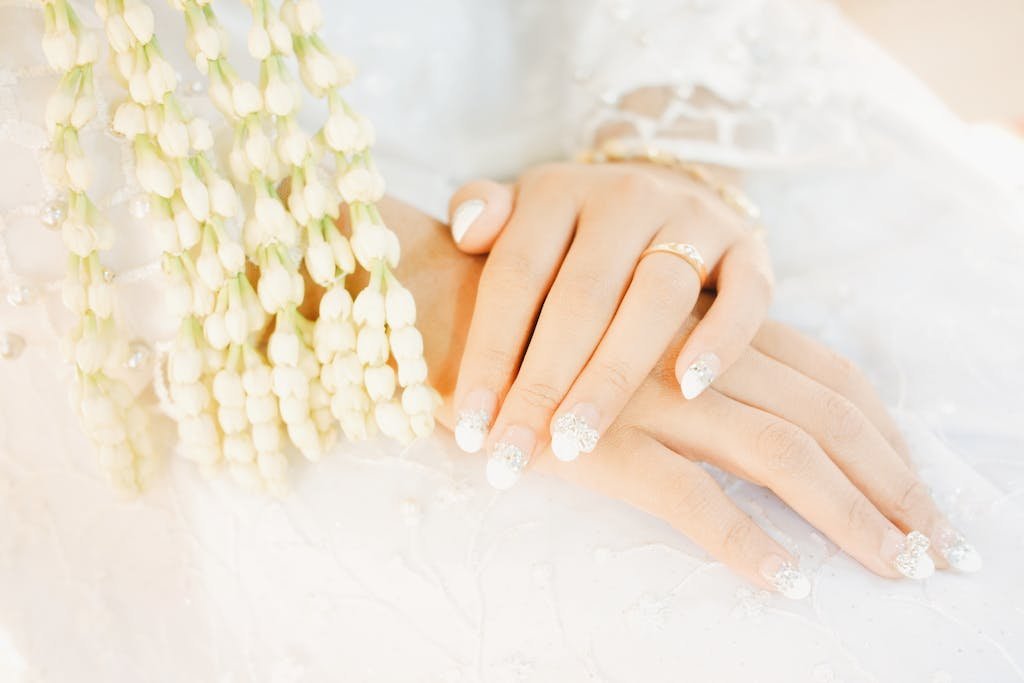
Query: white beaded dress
column 898, row 237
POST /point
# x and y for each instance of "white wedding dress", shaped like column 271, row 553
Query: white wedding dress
column 898, row 238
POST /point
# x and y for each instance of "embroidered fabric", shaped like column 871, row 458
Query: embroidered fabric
column 897, row 236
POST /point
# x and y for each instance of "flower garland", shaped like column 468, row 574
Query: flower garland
column 233, row 391
column 111, row 419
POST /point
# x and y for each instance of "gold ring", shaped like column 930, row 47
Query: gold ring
column 687, row 252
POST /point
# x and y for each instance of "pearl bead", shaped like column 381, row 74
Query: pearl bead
column 11, row 345
column 53, row 214
column 138, row 354
column 196, row 87
column 19, row 295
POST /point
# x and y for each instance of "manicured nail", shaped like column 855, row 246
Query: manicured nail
column 908, row 554
column 464, row 215
column 785, row 578
column 700, row 374
column 474, row 419
column 573, row 433
column 960, row 554
column 509, row 457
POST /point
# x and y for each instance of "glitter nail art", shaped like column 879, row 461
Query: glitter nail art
column 572, row 435
column 471, row 429
column 960, row 554
column 913, row 560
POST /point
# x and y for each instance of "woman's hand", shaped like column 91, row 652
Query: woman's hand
column 789, row 415
column 570, row 317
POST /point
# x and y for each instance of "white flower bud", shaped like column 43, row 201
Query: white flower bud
column 246, row 98
column 308, row 16
column 306, row 438
column 280, row 37
column 153, row 174
column 115, row 455
column 348, row 369
column 290, row 381
column 79, row 173
column 259, row 43
column 228, row 389
column 260, row 408
column 372, row 345
column 101, row 299
column 361, row 185
column 195, row 194
column 283, row 348
column 60, row 49
column 342, row 133
column 368, row 308
column 231, row 256
column 220, row 95
column 209, row 268
column 293, row 409
column 232, row 419
column 190, row 399
column 79, row 238
column 167, row 235
column 280, row 97
column 392, row 420
column 202, row 299
column 266, row 436
column 173, row 138
column 88, row 49
column 412, row 371
column 208, row 41
column 119, row 35
column 223, row 198
column 336, row 303
column 215, row 331
column 320, row 262
column 73, row 295
column 380, row 382
column 374, row 242
column 406, row 342
column 418, row 398
column 257, row 380
column 239, row 448
column 125, row 64
column 129, row 120
column 273, row 465
column 237, row 323
column 422, row 424
column 179, row 299
column 188, row 226
column 343, row 256
column 293, row 146
column 257, row 149
column 199, row 135
column 400, row 306
column 161, row 77
column 84, row 111
column 139, row 18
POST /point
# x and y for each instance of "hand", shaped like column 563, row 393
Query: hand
column 567, row 248
column 789, row 415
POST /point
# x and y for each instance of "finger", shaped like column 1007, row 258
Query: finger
column 512, row 286
column 648, row 475
column 479, row 210
column 827, row 367
column 575, row 314
column 661, row 294
column 744, row 293
column 853, row 443
column 768, row 450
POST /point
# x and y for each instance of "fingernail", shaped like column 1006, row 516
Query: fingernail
column 785, row 578
column 474, row 419
column 908, row 554
column 509, row 457
column 700, row 374
column 574, row 433
column 467, row 212
column 960, row 554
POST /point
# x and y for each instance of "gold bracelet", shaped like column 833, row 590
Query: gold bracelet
column 616, row 151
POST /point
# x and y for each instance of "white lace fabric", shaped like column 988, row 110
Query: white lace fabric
column 897, row 235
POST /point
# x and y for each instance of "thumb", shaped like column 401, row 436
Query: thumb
column 479, row 210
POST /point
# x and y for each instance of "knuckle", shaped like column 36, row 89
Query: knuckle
column 546, row 176
column 843, row 422
column 847, row 378
column 787, row 450
column 511, row 272
column 689, row 496
column 634, row 186
column 539, row 395
column 587, row 287
column 859, row 514
column 499, row 359
column 763, row 280
column 914, row 498
column 617, row 374
column 739, row 537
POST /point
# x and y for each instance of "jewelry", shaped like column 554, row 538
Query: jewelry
column 618, row 151
column 687, row 252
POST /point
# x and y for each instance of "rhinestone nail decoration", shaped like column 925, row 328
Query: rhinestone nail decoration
column 572, row 435
column 913, row 560
column 11, row 345
column 506, row 463
column 471, row 429
column 791, row 582
column 699, row 375
column 960, row 554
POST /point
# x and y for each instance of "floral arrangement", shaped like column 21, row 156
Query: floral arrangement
column 251, row 369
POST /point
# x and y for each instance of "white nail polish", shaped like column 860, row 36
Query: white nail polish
column 471, row 429
column 506, row 463
column 464, row 216
column 573, row 434
column 785, row 578
column 912, row 559
column 960, row 554
column 700, row 374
